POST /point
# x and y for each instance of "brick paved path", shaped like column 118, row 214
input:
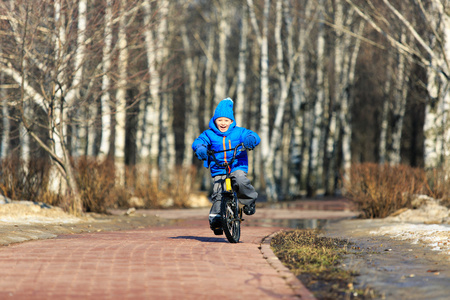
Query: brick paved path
column 177, row 262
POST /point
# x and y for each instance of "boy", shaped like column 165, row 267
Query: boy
column 223, row 134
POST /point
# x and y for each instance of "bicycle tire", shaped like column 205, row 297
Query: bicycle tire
column 231, row 222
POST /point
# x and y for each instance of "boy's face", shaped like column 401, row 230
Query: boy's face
column 223, row 124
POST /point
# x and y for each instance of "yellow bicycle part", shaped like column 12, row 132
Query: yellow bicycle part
column 228, row 185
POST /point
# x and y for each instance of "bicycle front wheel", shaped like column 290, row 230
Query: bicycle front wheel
column 231, row 223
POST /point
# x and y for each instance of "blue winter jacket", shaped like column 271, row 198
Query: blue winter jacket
column 216, row 140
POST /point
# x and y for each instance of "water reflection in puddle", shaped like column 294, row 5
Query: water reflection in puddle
column 289, row 223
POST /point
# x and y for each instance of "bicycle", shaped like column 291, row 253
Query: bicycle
column 230, row 211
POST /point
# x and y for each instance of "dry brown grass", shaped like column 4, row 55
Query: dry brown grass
column 158, row 193
column 438, row 185
column 98, row 184
column 101, row 190
column 316, row 261
column 379, row 190
column 23, row 181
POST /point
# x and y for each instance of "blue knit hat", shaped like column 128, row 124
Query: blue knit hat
column 224, row 109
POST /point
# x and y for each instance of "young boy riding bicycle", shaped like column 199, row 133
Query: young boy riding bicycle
column 223, row 134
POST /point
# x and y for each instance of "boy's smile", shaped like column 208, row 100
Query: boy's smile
column 223, row 123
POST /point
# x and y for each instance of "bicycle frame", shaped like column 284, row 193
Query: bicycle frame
column 226, row 165
column 230, row 212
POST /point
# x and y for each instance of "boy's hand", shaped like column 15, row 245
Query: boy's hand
column 250, row 142
column 201, row 152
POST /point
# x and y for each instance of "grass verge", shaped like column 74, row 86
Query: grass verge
column 316, row 261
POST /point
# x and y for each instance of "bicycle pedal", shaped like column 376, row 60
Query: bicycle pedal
column 218, row 231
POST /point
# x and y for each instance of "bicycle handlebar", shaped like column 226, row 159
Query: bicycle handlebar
column 226, row 164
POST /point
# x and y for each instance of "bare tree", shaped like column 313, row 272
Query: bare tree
column 106, row 101
column 345, row 57
column 299, row 157
column 50, row 92
column 4, row 146
column 192, row 102
column 220, row 88
column 121, row 100
column 285, row 79
column 56, row 74
column 241, row 98
column 262, row 40
column 315, row 167
column 154, row 39
column 433, row 54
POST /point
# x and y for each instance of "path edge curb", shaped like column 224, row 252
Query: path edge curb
column 296, row 285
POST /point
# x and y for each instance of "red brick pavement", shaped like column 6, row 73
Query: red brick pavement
column 177, row 262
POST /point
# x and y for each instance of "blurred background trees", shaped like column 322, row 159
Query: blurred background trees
column 326, row 83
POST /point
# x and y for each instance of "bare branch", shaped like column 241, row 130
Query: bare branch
column 403, row 49
column 410, row 28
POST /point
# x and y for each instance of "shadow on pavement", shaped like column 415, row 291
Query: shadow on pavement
column 201, row 239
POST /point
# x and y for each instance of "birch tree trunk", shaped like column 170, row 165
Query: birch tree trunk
column 4, row 146
column 399, row 107
column 265, row 101
column 24, row 106
column 241, row 99
column 168, row 152
column 269, row 154
column 25, row 138
column 209, row 95
column 446, row 94
column 167, row 157
column 150, row 140
column 339, row 82
column 345, row 65
column 346, row 116
column 432, row 126
column 385, row 117
column 437, row 123
column 220, row 88
column 121, row 101
column 192, row 102
column 105, row 100
column 58, row 179
column 4, row 151
column 155, row 37
column 58, row 119
column 285, row 80
column 316, row 159
column 297, row 114
column 74, row 94
column 92, row 114
column 299, row 156
column 262, row 38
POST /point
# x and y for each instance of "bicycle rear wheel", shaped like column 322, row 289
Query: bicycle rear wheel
column 231, row 223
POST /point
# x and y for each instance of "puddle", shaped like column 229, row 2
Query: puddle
column 396, row 269
column 289, row 223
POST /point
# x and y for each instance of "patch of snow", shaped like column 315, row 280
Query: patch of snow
column 28, row 212
column 38, row 219
column 434, row 236
column 427, row 224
